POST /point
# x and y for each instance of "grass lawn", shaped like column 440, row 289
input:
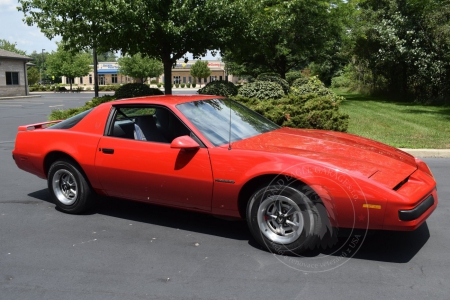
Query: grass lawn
column 399, row 124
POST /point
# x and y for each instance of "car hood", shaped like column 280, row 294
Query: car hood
column 353, row 154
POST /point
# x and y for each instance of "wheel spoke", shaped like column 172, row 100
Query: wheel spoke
column 278, row 204
column 293, row 224
column 290, row 211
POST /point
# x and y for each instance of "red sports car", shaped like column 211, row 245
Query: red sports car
column 214, row 155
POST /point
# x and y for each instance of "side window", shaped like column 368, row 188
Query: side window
column 154, row 124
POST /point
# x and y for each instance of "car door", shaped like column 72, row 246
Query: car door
column 148, row 169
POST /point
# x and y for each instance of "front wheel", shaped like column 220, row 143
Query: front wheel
column 283, row 219
column 68, row 187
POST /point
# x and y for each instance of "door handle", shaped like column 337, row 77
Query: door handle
column 108, row 151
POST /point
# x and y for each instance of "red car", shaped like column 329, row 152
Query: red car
column 214, row 155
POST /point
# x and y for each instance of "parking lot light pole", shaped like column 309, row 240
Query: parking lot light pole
column 42, row 66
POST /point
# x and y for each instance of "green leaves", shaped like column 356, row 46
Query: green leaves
column 138, row 66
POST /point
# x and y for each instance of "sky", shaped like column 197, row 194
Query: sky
column 14, row 30
column 29, row 38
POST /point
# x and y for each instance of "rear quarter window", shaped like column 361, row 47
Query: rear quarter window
column 70, row 122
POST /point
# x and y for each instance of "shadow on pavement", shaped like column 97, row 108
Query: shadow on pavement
column 386, row 246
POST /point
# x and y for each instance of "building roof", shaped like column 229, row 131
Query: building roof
column 12, row 55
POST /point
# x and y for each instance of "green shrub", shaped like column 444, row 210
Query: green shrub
column 314, row 86
column 159, row 85
column 193, row 85
column 157, row 91
column 301, row 111
column 277, row 79
column 292, row 76
column 177, row 85
column 182, row 85
column 341, row 82
column 188, row 85
column 299, row 82
column 219, row 88
column 262, row 90
column 131, row 90
column 62, row 114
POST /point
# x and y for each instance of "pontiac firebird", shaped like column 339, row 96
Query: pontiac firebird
column 214, row 155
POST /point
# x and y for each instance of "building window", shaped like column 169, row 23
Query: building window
column 184, row 79
column 114, row 78
column 81, row 80
column 190, row 79
column 212, row 78
column 90, row 78
column 12, row 78
column 68, row 80
column 176, row 79
column 220, row 78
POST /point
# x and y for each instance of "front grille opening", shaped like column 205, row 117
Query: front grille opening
column 398, row 186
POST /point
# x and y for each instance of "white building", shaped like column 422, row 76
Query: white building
column 13, row 74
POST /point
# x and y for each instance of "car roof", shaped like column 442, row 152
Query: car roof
column 165, row 99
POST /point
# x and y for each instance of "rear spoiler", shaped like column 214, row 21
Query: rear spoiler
column 42, row 125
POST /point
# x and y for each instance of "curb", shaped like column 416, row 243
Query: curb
column 19, row 97
column 427, row 153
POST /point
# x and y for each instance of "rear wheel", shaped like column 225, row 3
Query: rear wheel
column 69, row 188
column 284, row 219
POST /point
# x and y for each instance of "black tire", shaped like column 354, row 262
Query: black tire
column 292, row 230
column 69, row 188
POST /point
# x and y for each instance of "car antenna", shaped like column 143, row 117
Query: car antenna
column 229, row 134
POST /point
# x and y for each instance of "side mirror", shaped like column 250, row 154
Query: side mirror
column 184, row 142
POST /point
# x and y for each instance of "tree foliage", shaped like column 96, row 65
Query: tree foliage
column 200, row 70
column 166, row 30
column 11, row 47
column 32, row 75
column 405, row 45
column 141, row 67
column 282, row 35
column 69, row 64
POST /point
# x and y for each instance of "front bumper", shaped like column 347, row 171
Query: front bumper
column 416, row 212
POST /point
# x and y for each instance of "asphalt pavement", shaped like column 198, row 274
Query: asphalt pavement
column 127, row 250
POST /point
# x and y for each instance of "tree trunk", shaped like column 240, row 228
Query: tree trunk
column 70, row 80
column 168, row 75
column 94, row 53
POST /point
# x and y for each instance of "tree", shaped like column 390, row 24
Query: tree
column 406, row 47
column 11, row 47
column 69, row 64
column 166, row 30
column 140, row 67
column 200, row 70
column 32, row 75
column 283, row 35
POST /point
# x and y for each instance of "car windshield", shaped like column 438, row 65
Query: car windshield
column 212, row 119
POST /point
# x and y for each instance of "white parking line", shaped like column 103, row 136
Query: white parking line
column 56, row 105
column 6, row 142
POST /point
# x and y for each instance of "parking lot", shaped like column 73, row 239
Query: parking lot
column 127, row 250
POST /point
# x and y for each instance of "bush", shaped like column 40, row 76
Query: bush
column 262, row 90
column 292, row 76
column 284, row 84
column 62, row 114
column 177, row 85
column 188, row 85
column 299, row 82
column 131, row 90
column 159, row 85
column 314, row 86
column 157, row 91
column 219, row 88
column 301, row 111
column 193, row 85
column 182, row 85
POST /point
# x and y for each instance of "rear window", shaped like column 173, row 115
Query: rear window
column 70, row 122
